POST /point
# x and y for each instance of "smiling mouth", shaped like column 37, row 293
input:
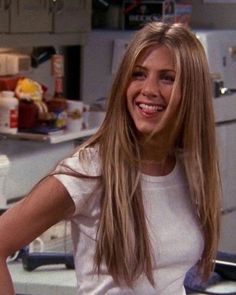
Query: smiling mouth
column 151, row 108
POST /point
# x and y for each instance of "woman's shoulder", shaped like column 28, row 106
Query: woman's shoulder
column 85, row 161
column 87, row 152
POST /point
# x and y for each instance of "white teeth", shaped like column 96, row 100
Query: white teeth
column 151, row 108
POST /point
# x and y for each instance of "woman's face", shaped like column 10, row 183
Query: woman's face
column 150, row 90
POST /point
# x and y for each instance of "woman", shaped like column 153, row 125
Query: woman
column 143, row 192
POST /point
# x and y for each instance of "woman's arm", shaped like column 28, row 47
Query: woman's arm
column 47, row 204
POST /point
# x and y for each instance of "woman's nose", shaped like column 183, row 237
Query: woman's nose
column 150, row 87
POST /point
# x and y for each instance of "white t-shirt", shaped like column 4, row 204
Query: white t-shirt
column 173, row 226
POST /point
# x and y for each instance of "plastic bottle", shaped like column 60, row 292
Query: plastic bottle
column 58, row 105
column 8, row 112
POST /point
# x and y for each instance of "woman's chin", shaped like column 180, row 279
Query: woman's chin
column 147, row 130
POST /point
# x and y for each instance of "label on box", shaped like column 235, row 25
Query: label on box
column 141, row 12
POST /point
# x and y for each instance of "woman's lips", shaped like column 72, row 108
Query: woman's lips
column 151, row 109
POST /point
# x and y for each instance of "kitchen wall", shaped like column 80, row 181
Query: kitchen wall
column 42, row 74
column 29, row 162
column 97, row 58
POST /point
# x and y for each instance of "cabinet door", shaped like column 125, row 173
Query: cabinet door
column 29, row 16
column 4, row 16
column 72, row 16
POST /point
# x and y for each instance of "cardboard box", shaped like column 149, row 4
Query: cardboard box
column 138, row 13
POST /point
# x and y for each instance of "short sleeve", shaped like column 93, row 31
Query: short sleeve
column 80, row 175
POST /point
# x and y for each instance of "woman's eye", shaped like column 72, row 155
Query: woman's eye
column 168, row 78
column 138, row 75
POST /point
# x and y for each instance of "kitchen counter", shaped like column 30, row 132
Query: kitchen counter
column 57, row 280
column 221, row 288
column 45, row 280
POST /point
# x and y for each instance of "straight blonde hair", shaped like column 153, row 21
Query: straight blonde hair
column 123, row 241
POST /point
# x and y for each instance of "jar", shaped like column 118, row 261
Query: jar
column 75, row 115
column 28, row 114
column 57, row 107
column 8, row 112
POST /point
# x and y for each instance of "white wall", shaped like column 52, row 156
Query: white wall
column 29, row 162
column 96, row 75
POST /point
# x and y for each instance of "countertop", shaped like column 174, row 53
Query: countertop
column 57, row 280
column 45, row 280
column 222, row 288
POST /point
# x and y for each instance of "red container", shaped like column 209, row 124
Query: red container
column 28, row 114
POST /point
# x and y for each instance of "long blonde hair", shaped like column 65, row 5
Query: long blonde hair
column 123, row 240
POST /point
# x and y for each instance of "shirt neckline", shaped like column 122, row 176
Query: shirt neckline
column 165, row 178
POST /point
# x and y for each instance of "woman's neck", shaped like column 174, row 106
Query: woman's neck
column 157, row 157
column 158, row 168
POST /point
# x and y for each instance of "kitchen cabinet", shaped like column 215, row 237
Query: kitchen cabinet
column 44, row 22
column 72, row 16
column 29, row 16
column 58, row 16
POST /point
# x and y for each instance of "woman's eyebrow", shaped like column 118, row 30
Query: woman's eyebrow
column 168, row 70
column 139, row 67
